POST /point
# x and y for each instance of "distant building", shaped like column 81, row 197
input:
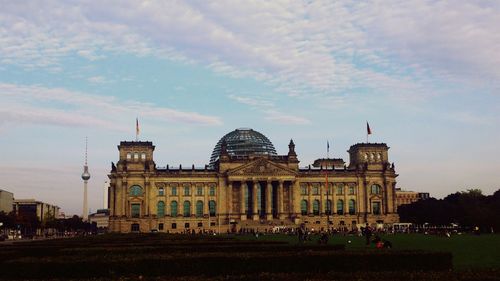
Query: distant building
column 6, row 201
column 404, row 197
column 424, row 195
column 101, row 217
column 31, row 206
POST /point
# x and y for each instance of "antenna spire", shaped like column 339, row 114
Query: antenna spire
column 86, row 144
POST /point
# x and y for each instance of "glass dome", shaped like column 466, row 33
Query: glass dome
column 242, row 142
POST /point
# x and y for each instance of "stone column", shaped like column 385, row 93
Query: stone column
column 243, row 188
column 205, row 199
column 111, row 198
column 255, row 209
column 296, row 198
column 230, row 199
column 280, row 200
column 123, row 197
column 192, row 188
column 147, row 190
column 322, row 198
column 269, row 201
column 229, row 196
column 309, row 199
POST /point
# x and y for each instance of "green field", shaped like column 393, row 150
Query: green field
column 269, row 257
column 469, row 251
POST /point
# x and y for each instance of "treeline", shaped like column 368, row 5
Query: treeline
column 468, row 209
column 30, row 224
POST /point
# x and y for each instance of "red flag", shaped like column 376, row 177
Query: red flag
column 368, row 130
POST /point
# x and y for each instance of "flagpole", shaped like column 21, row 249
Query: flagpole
column 136, row 129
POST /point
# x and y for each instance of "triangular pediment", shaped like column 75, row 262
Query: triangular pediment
column 261, row 167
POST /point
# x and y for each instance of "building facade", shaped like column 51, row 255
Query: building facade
column 41, row 210
column 247, row 185
column 101, row 218
column 404, row 197
column 6, row 201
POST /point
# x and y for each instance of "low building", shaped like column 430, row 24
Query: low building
column 404, row 197
column 101, row 218
column 42, row 210
column 6, row 201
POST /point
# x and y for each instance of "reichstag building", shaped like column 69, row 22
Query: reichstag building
column 247, row 185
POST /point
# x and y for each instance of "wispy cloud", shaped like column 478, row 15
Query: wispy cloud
column 41, row 105
column 98, row 79
column 301, row 48
column 272, row 113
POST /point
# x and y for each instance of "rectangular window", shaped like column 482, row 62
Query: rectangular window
column 200, row 224
column 351, row 189
column 212, row 190
column 161, row 191
column 187, row 190
column 340, row 189
column 199, row 191
column 303, row 189
column 174, row 225
column 186, row 225
column 135, row 227
column 160, row 226
column 174, row 190
column 315, row 189
column 135, row 210
column 376, row 208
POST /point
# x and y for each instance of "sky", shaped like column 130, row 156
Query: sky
column 424, row 74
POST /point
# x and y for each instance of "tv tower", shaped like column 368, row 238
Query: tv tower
column 85, row 178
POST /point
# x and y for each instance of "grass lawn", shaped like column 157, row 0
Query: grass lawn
column 469, row 251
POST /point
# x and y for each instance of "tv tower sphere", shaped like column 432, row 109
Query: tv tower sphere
column 85, row 174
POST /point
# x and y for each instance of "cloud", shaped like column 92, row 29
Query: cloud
column 283, row 118
column 97, row 79
column 269, row 109
column 301, row 48
column 57, row 106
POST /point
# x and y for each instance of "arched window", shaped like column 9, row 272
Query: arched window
column 161, row 191
column 199, row 208
column 160, row 212
column 352, row 207
column 129, row 156
column 211, row 207
column 328, row 207
column 187, row 190
column 340, row 207
column 316, row 207
column 187, row 208
column 376, row 189
column 303, row 207
column 135, row 190
column 173, row 208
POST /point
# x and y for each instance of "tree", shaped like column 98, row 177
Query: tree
column 468, row 208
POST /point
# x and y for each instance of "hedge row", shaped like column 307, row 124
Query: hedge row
column 315, row 262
